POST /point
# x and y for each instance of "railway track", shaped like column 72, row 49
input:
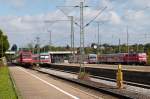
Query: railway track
column 121, row 94
column 107, row 79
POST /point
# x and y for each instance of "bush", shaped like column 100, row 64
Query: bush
column 148, row 57
column 83, row 76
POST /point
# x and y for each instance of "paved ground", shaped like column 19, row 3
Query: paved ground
column 125, row 67
column 129, row 88
column 34, row 85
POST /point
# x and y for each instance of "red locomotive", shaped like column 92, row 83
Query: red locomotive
column 24, row 57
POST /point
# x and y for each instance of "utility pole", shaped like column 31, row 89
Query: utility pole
column 127, row 41
column 72, row 36
column 137, row 48
column 38, row 45
column 98, row 39
column 82, row 30
column 71, row 33
column 50, row 38
column 145, row 42
column 81, row 37
column 127, row 44
column 119, row 46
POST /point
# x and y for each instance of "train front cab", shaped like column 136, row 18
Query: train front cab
column 92, row 59
column 24, row 58
column 136, row 58
column 45, row 58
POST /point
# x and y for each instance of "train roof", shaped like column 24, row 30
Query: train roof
column 121, row 54
column 92, row 54
column 44, row 53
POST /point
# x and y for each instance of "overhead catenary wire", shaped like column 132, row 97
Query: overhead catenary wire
column 95, row 16
column 68, row 16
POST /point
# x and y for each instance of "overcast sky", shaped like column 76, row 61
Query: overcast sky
column 24, row 20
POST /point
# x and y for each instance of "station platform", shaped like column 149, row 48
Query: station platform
column 128, row 90
column 35, row 85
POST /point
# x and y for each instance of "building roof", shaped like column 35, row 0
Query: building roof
column 61, row 52
column 10, row 52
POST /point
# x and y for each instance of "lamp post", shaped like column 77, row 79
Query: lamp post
column 72, row 36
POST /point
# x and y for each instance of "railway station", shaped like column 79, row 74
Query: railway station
column 60, row 56
column 74, row 49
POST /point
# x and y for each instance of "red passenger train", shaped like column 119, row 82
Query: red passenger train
column 124, row 58
column 26, row 58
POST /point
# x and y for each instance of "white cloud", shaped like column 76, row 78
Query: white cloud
column 141, row 3
column 136, row 17
column 114, row 18
column 33, row 25
column 18, row 3
column 15, row 3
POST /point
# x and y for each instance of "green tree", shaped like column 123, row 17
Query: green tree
column 4, row 44
column 14, row 47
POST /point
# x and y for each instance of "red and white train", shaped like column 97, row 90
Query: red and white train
column 124, row 58
column 26, row 58
column 118, row 58
column 41, row 58
column 92, row 59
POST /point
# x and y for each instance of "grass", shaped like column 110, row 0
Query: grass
column 6, row 87
column 83, row 76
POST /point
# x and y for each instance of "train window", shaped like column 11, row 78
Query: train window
column 35, row 58
column 46, row 57
column 26, row 55
column 92, row 57
column 135, row 55
column 42, row 57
